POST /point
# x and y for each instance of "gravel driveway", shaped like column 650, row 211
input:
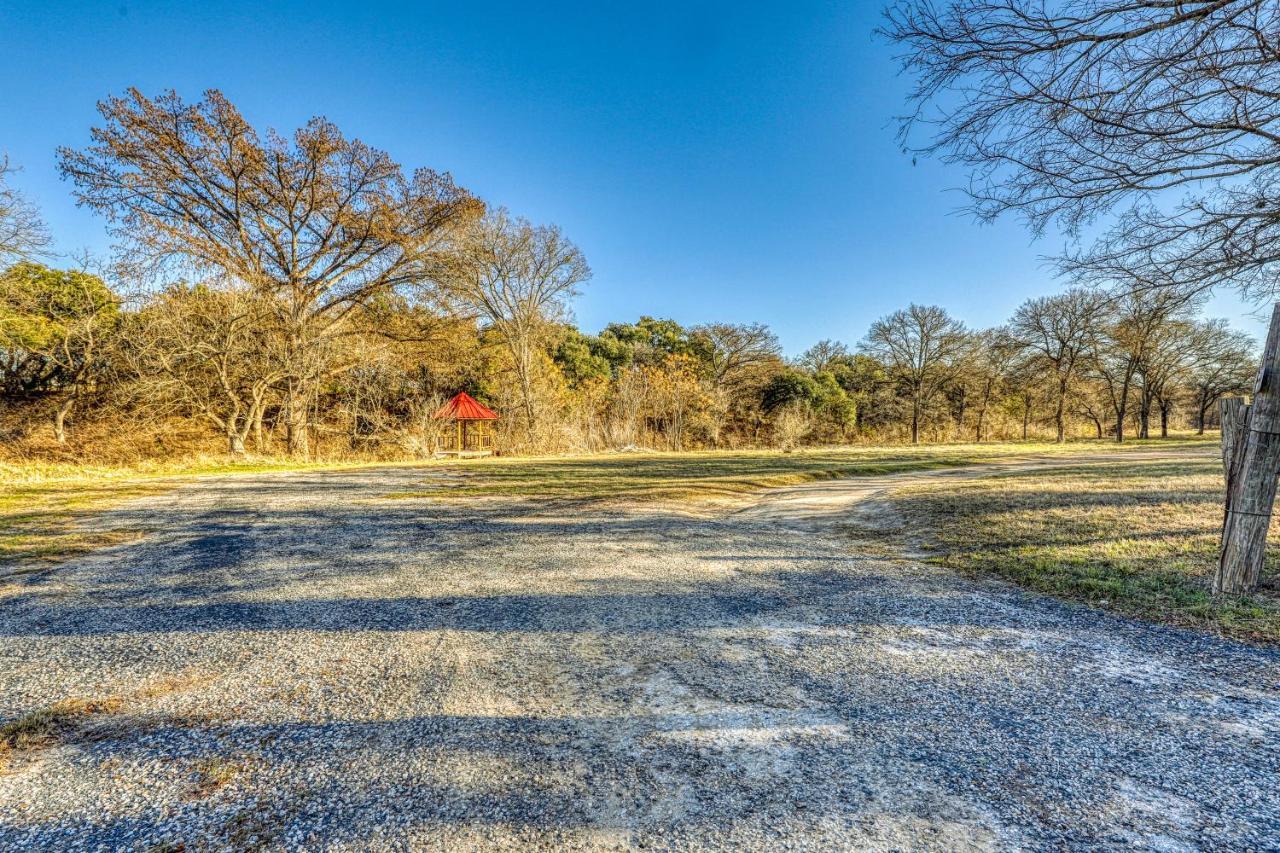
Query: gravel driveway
column 296, row 661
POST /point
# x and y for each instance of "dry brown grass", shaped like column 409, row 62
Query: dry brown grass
column 1139, row 537
column 50, row 725
column 216, row 772
column 66, row 720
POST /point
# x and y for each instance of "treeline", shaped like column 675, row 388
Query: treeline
column 306, row 296
column 215, row 356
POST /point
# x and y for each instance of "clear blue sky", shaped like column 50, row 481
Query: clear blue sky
column 715, row 161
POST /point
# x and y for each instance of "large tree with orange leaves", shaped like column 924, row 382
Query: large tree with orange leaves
column 319, row 223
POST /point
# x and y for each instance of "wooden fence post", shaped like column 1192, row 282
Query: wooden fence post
column 1252, row 477
column 1233, row 414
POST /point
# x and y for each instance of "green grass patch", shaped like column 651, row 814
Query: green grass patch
column 1135, row 536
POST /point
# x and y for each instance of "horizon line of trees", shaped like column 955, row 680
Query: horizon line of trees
column 1071, row 364
column 305, row 295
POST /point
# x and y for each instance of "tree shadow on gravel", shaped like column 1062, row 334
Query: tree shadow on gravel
column 273, row 569
column 870, row 598
column 976, row 756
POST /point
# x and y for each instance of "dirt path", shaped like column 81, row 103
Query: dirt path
column 820, row 505
column 300, row 662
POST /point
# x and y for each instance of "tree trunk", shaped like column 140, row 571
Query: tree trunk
column 1060, row 416
column 60, row 420
column 259, row 443
column 915, row 421
column 296, row 437
column 522, row 352
column 1144, row 413
column 1164, row 419
column 1252, row 477
column 235, row 443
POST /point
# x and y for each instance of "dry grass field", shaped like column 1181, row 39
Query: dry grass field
column 729, row 474
column 1135, row 536
column 41, row 502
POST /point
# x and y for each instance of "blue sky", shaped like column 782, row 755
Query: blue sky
column 715, row 161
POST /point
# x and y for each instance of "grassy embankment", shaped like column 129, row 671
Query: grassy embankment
column 1135, row 536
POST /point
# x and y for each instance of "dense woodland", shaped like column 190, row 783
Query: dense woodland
column 306, row 296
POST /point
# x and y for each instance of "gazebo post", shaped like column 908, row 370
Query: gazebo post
column 458, row 422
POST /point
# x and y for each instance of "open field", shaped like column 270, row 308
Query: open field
column 40, row 502
column 295, row 659
column 727, row 475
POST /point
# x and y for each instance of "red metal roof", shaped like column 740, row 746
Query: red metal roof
column 464, row 407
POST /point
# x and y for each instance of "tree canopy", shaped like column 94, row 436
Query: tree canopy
column 321, row 223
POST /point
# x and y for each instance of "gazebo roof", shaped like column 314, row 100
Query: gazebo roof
column 464, row 407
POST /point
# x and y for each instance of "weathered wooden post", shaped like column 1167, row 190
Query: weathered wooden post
column 1251, row 477
column 1233, row 414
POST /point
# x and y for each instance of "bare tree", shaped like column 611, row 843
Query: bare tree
column 1130, row 331
column 1056, row 330
column 22, row 232
column 1223, row 362
column 732, row 352
column 206, row 350
column 995, row 354
column 518, row 277
column 734, row 359
column 1162, row 371
column 1062, row 111
column 319, row 223
column 920, row 346
column 823, row 355
column 1091, row 403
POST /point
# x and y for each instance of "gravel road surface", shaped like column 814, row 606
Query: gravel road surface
column 295, row 661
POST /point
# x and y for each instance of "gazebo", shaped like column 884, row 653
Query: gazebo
column 472, row 433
